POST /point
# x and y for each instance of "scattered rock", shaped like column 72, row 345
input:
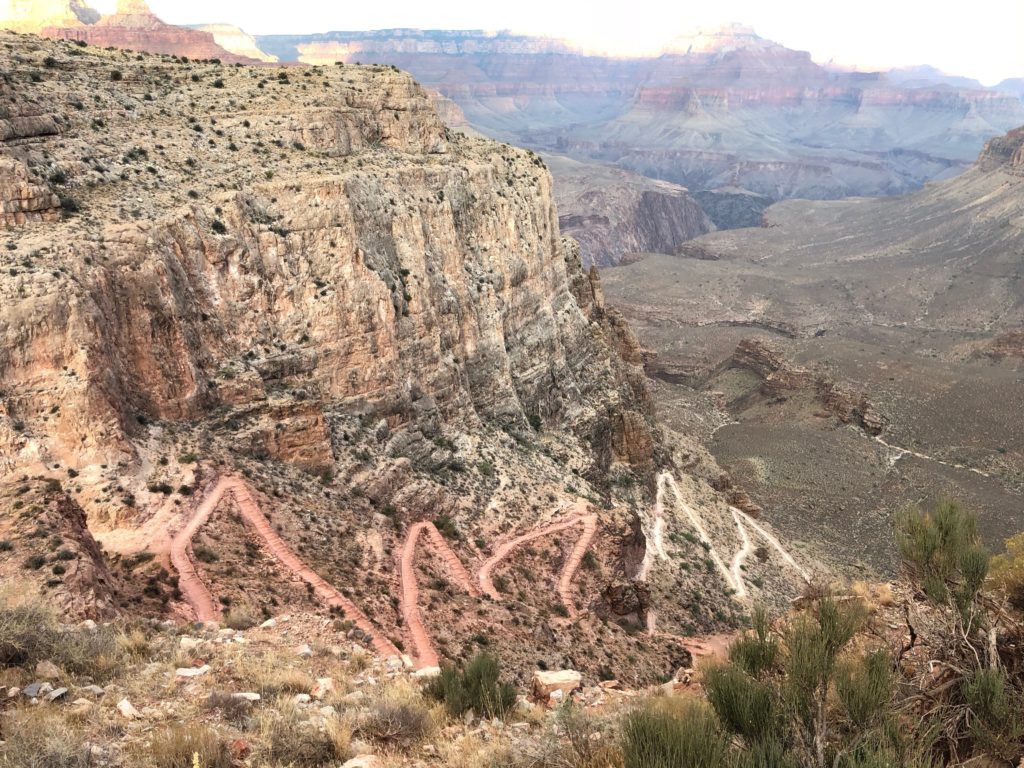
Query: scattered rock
column 240, row 749
column 192, row 671
column 269, row 624
column 127, row 710
column 322, row 687
column 34, row 690
column 304, row 651
column 354, row 698
column 189, row 643
column 247, row 696
column 93, row 690
column 564, row 680
column 47, row 670
column 426, row 672
column 302, row 698
column 363, row 761
column 56, row 693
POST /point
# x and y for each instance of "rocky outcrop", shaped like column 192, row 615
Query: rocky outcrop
column 135, row 27
column 780, row 378
column 50, row 548
column 733, row 208
column 421, row 285
column 615, row 215
column 1005, row 153
column 1009, row 344
column 24, row 200
column 237, row 41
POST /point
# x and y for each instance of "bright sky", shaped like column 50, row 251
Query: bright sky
column 980, row 39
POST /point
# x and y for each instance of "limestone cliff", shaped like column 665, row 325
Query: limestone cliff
column 616, row 215
column 237, row 41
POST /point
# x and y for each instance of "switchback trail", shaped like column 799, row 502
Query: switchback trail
column 426, row 655
column 198, row 595
column 572, row 564
column 734, row 575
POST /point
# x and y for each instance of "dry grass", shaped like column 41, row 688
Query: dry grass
column 267, row 676
column 290, row 740
column 241, row 617
column 183, row 746
column 873, row 595
column 42, row 738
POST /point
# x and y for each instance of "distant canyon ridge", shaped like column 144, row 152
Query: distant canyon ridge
column 647, row 153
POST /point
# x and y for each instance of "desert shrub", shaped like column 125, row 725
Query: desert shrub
column 291, row 741
column 205, row 554
column 397, row 724
column 116, row 75
column 865, row 688
column 233, row 709
column 477, row 687
column 1008, row 571
column 580, row 740
column 184, row 746
column 942, row 552
column 41, row 738
column 758, row 652
column 34, row 562
column 745, row 706
column 656, row 736
column 997, row 724
column 241, row 617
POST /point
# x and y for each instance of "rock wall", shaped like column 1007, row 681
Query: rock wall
column 386, row 269
column 615, row 215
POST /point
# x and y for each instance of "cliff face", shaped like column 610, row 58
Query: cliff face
column 135, row 27
column 301, row 278
column 421, row 284
column 614, row 214
column 237, row 41
column 34, row 15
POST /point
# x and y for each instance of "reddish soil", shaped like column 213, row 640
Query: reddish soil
column 198, row 594
column 426, row 655
column 568, row 571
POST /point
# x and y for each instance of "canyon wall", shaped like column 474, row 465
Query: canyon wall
column 376, row 262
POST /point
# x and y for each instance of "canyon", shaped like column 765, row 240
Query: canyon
column 300, row 324
column 722, row 108
column 851, row 357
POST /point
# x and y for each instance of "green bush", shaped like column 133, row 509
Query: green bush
column 656, row 737
column 477, row 687
column 865, row 687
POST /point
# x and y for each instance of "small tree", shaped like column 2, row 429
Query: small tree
column 968, row 693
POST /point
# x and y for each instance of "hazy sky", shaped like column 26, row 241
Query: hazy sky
column 978, row 39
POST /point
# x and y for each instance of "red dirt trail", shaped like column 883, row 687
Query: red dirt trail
column 568, row 571
column 426, row 655
column 202, row 602
column 197, row 593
